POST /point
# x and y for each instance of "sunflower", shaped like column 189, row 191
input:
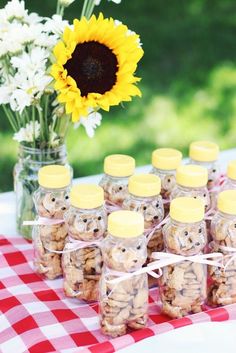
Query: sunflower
column 95, row 64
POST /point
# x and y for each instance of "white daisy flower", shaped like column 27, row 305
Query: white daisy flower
column 28, row 133
column 90, row 123
column 15, row 9
column 66, row 3
column 55, row 25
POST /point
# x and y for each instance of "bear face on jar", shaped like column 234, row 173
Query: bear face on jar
column 87, row 226
column 185, row 233
column 125, row 255
column 52, row 204
column 187, row 239
column 168, row 183
column 115, row 192
column 152, row 210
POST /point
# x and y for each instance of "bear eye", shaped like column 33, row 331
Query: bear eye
column 66, row 197
column 85, row 220
column 120, row 188
column 157, row 205
column 139, row 247
column 63, row 208
column 194, row 197
column 200, row 230
column 144, row 208
column 197, row 243
column 99, row 218
column 53, row 199
column 123, row 250
column 214, row 170
column 204, row 195
column 186, row 233
column 168, row 180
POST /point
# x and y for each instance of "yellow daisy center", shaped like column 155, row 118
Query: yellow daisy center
column 93, row 66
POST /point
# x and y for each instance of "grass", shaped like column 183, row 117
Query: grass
column 188, row 84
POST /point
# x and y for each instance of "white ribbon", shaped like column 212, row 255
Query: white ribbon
column 43, row 221
column 164, row 259
column 112, row 207
column 232, row 257
column 74, row 245
column 149, row 232
column 209, row 214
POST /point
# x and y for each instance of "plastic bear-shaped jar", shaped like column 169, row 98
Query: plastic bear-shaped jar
column 230, row 182
column 222, row 283
column 117, row 168
column 144, row 197
column 206, row 154
column 124, row 304
column 191, row 181
column 183, row 284
column 165, row 161
column 51, row 202
column 82, row 258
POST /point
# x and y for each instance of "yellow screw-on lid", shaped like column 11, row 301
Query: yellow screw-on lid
column 204, row 151
column 87, row 196
column 231, row 170
column 54, row 176
column 119, row 165
column 187, row 210
column 227, row 202
column 166, row 158
column 191, row 176
column 144, row 185
column 126, row 224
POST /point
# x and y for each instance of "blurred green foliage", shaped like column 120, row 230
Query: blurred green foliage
column 188, row 84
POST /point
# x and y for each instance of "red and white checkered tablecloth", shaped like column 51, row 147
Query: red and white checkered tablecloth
column 36, row 317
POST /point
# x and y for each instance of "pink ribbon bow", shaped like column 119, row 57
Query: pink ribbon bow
column 43, row 221
column 75, row 244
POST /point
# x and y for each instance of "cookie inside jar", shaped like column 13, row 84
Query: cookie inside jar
column 165, row 161
column 117, row 170
column 183, row 284
column 51, row 202
column 222, row 281
column 82, row 261
column 123, row 303
column 144, row 197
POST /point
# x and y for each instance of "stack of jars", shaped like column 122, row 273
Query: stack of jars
column 103, row 239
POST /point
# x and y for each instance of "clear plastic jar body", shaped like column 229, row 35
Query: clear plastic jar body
column 229, row 184
column 183, row 286
column 213, row 172
column 201, row 193
column 50, row 204
column 115, row 189
column 82, row 267
column 123, row 304
column 168, row 181
column 153, row 212
column 222, row 282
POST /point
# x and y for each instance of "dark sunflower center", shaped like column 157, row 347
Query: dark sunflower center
column 93, row 66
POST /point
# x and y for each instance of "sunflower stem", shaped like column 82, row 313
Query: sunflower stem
column 84, row 9
column 90, row 9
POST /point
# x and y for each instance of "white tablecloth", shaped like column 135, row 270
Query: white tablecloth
column 205, row 337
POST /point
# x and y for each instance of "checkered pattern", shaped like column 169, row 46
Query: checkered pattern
column 36, row 317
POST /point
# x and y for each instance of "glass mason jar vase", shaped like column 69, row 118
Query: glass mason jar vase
column 183, row 285
column 206, row 153
column 26, row 180
column 222, row 281
column 124, row 304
